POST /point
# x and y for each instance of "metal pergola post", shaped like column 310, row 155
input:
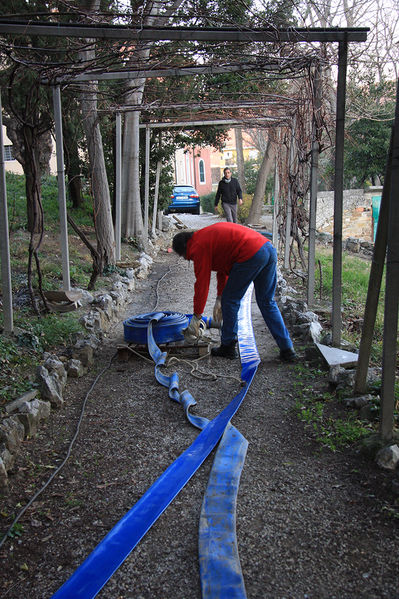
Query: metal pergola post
column 314, row 173
column 391, row 294
column 156, row 194
column 118, row 184
column 288, row 219
column 275, row 204
column 61, row 188
column 4, row 240
column 146, row 182
column 336, row 317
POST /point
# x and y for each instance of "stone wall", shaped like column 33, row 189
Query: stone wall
column 357, row 212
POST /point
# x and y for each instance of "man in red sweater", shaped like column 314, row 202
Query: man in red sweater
column 239, row 256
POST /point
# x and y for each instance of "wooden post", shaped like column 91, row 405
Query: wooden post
column 391, row 294
column 374, row 287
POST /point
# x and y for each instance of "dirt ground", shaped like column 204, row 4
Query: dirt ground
column 310, row 523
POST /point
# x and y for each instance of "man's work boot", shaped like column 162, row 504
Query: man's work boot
column 225, row 351
column 288, row 355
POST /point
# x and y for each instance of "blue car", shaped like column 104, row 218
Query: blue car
column 184, row 199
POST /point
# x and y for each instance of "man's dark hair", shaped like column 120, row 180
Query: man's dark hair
column 180, row 241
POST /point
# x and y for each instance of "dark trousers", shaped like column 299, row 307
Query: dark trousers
column 230, row 212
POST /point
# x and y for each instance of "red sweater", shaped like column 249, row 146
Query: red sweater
column 217, row 248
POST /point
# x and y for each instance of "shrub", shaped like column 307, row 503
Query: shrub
column 208, row 202
column 243, row 210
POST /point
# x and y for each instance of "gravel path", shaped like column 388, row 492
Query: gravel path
column 310, row 523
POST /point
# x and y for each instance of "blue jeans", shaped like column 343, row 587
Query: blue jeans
column 261, row 269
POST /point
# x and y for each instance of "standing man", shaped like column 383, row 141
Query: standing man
column 229, row 190
column 239, row 255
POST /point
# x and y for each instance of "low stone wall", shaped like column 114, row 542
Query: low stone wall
column 350, row 244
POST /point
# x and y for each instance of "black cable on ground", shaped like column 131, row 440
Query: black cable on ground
column 54, row 474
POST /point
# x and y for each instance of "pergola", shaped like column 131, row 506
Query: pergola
column 342, row 36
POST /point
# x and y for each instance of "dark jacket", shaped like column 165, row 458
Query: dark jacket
column 228, row 191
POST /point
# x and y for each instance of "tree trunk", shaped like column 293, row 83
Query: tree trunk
column 32, row 180
column 132, row 218
column 240, row 159
column 98, row 178
column 97, row 171
column 261, row 180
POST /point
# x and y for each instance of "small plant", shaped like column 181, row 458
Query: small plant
column 16, row 531
column 314, row 409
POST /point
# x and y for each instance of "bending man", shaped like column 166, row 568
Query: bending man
column 239, row 256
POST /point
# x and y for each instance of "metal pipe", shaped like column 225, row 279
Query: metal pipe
column 146, row 181
column 314, row 173
column 123, row 32
column 118, row 185
column 336, row 316
column 275, row 204
column 156, row 193
column 288, row 219
column 61, row 188
column 4, row 240
column 221, row 122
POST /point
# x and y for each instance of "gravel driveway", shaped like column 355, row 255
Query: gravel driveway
column 310, row 523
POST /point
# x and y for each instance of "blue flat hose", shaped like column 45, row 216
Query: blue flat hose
column 111, row 552
column 220, row 569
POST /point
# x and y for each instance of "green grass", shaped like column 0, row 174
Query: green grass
column 355, row 281
column 16, row 201
column 20, row 354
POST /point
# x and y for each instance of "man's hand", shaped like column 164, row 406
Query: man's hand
column 240, row 201
column 217, row 311
column 193, row 332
